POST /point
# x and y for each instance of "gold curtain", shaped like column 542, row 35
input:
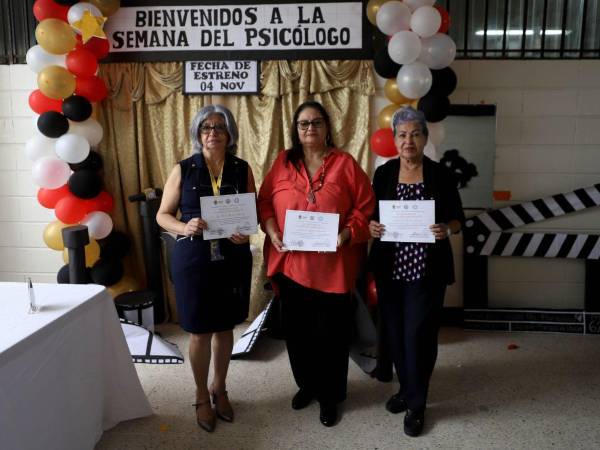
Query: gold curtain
column 146, row 119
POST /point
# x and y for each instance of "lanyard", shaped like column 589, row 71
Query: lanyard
column 216, row 181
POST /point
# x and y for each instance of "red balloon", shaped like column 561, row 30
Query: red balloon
column 70, row 209
column 445, row 19
column 371, row 290
column 39, row 103
column 82, row 62
column 49, row 9
column 92, row 88
column 98, row 46
column 382, row 143
column 49, row 197
column 102, row 202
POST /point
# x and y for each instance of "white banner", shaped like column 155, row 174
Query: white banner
column 231, row 28
column 221, row 77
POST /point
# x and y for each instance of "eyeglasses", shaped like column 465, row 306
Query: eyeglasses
column 219, row 129
column 305, row 124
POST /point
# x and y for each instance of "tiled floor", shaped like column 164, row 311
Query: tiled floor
column 542, row 395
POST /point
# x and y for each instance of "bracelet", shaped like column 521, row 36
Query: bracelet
column 448, row 232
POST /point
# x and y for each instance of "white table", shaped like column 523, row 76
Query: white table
column 65, row 372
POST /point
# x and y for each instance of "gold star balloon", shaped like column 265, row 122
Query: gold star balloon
column 90, row 26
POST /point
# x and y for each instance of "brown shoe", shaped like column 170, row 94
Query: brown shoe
column 205, row 416
column 222, row 406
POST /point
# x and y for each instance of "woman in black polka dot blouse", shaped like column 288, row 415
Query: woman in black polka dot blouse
column 411, row 278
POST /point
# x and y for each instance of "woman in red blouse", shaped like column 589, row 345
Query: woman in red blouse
column 314, row 287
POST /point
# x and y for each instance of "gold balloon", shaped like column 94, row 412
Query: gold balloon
column 393, row 94
column 372, row 8
column 56, row 82
column 55, row 36
column 125, row 284
column 53, row 235
column 92, row 253
column 384, row 119
column 414, row 103
column 107, row 7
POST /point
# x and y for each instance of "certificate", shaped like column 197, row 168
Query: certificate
column 407, row 220
column 229, row 214
column 310, row 231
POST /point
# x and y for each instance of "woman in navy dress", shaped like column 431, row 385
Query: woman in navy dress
column 411, row 278
column 211, row 277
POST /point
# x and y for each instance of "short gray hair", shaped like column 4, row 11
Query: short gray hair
column 407, row 114
column 202, row 115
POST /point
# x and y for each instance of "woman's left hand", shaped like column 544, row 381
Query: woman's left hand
column 238, row 238
column 439, row 230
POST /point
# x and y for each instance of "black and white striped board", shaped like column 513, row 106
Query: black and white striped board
column 247, row 340
column 485, row 234
column 146, row 347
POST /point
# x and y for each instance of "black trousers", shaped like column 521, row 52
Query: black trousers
column 318, row 329
column 411, row 314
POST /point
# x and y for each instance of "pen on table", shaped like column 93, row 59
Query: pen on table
column 32, row 305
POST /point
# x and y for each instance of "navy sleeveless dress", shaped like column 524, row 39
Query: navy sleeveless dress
column 211, row 296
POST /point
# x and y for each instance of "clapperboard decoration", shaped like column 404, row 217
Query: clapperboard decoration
column 247, row 340
column 485, row 234
column 146, row 347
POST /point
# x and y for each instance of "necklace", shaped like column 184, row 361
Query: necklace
column 310, row 197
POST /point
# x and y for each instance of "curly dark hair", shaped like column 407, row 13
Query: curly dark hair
column 296, row 153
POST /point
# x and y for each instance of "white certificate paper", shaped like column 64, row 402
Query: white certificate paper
column 229, row 214
column 407, row 220
column 310, row 231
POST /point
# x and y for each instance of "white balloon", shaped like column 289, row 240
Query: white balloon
column 76, row 11
column 438, row 51
column 393, row 16
column 425, row 21
column 89, row 129
column 72, row 148
column 414, row 80
column 437, row 132
column 404, row 47
column 37, row 59
column 414, row 4
column 50, row 172
column 430, row 151
column 99, row 224
column 38, row 146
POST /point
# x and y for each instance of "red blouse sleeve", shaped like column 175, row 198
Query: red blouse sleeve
column 265, row 193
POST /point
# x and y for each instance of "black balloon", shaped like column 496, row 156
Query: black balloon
column 114, row 246
column 52, row 124
column 444, row 82
column 92, row 162
column 434, row 107
column 383, row 64
column 77, row 108
column 85, row 184
column 62, row 277
column 107, row 271
column 378, row 38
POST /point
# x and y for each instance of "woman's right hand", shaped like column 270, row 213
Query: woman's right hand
column 194, row 227
column 376, row 229
column 276, row 240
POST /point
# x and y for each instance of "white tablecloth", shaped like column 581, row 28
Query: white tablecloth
column 65, row 373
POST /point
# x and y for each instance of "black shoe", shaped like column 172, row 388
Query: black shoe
column 302, row 399
column 396, row 404
column 413, row 422
column 328, row 414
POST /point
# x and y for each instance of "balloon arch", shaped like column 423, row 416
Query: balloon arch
column 413, row 52
column 67, row 170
